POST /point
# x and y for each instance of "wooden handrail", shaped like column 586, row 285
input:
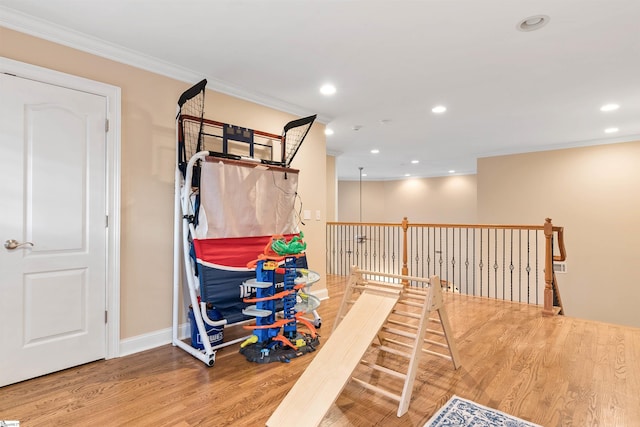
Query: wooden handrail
column 563, row 253
column 484, row 226
column 405, row 265
column 551, row 285
column 548, row 269
column 367, row 224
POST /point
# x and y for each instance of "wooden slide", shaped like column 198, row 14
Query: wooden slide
column 325, row 377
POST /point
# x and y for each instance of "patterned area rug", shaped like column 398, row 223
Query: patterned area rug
column 459, row 412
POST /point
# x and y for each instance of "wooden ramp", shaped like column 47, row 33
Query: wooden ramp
column 392, row 308
column 327, row 374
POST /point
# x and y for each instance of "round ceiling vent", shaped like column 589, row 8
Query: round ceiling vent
column 533, row 23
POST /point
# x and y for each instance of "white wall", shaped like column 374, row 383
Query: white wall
column 594, row 193
column 332, row 189
column 148, row 164
column 449, row 199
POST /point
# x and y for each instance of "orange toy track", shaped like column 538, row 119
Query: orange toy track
column 285, row 341
column 279, row 295
column 308, row 324
column 282, row 322
column 276, row 324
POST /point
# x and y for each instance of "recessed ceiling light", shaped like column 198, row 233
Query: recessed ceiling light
column 609, row 107
column 328, row 131
column 415, row 162
column 375, row 151
column 328, row 89
column 533, row 23
column 407, row 174
column 452, row 171
column 439, row 109
column 611, row 130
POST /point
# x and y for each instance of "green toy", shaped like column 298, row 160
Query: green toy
column 292, row 247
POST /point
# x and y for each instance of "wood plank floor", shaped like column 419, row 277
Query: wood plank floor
column 556, row 371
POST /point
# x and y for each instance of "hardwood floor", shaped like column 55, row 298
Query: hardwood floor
column 556, row 371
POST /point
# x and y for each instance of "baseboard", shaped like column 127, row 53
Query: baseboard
column 162, row 337
column 321, row 294
column 151, row 340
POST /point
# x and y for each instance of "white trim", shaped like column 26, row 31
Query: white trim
column 560, row 146
column 151, row 340
column 162, row 337
column 112, row 94
column 321, row 294
column 43, row 29
column 46, row 30
column 114, row 116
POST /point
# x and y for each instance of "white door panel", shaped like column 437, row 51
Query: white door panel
column 60, row 200
column 53, row 196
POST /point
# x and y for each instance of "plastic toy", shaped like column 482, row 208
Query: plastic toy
column 268, row 343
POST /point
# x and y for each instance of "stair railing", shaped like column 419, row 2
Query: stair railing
column 509, row 262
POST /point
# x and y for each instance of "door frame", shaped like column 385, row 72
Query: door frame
column 113, row 97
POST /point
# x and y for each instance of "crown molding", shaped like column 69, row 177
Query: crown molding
column 18, row 21
column 560, row 146
column 40, row 28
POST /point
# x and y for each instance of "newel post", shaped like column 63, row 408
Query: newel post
column 548, row 268
column 405, row 227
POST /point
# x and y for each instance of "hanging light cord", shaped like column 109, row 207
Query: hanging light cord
column 360, row 193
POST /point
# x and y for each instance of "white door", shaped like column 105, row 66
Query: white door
column 53, row 208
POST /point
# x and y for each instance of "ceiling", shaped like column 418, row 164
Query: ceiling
column 506, row 91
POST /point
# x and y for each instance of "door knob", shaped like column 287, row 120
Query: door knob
column 14, row 244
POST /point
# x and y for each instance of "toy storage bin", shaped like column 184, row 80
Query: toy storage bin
column 215, row 333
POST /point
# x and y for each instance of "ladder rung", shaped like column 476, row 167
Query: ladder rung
column 433, row 319
column 406, row 314
column 376, row 389
column 434, row 353
column 383, row 369
column 392, row 350
column 375, row 288
column 436, row 343
column 409, row 303
column 416, row 292
column 433, row 331
column 395, row 322
column 400, row 343
column 377, row 285
column 389, row 285
column 406, row 296
column 399, row 332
